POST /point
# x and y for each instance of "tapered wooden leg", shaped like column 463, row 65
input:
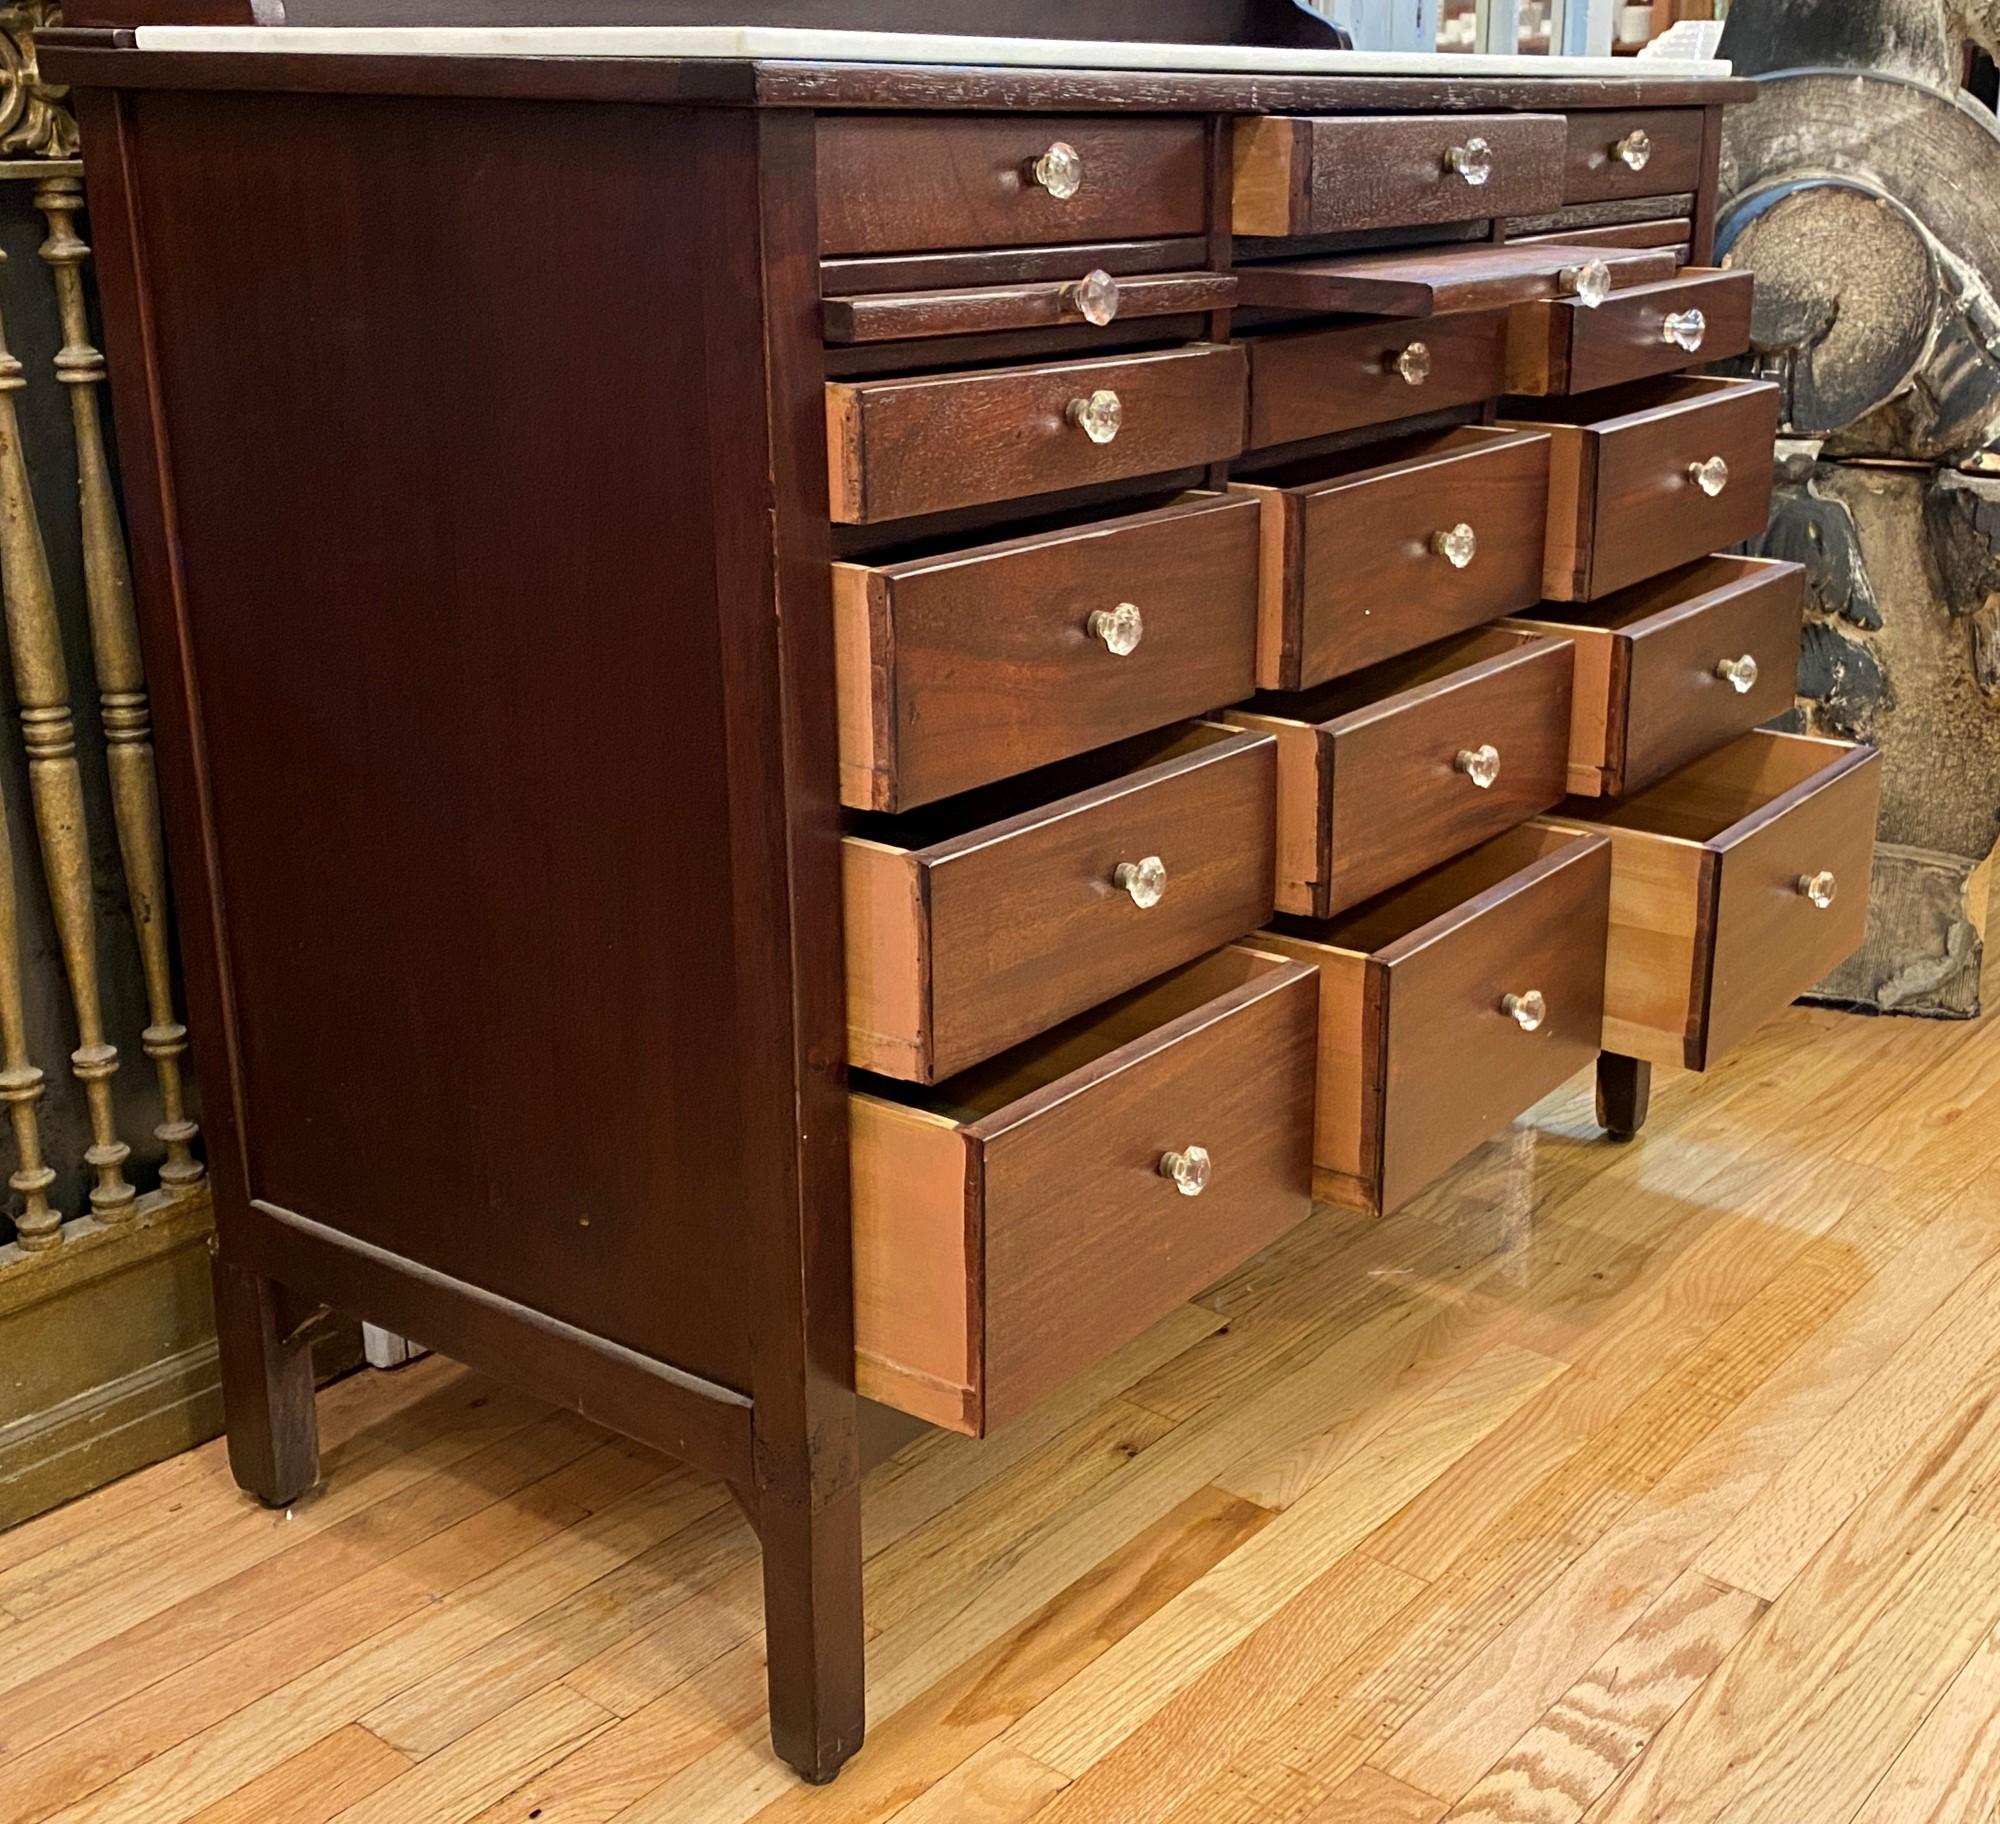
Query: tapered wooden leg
column 267, row 1388
column 813, row 1630
column 1624, row 1086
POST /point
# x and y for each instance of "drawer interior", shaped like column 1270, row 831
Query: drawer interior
column 1707, row 799
column 1408, row 671
column 1638, row 603
column 1635, row 399
column 1364, row 462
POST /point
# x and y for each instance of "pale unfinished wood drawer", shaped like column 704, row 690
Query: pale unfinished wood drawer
column 1672, row 668
column 1362, row 551
column 1015, row 1225
column 1651, row 475
column 965, row 665
column 1449, row 1005
column 1715, row 878
column 1658, row 328
column 1378, row 774
column 1324, row 174
column 983, row 919
column 926, row 443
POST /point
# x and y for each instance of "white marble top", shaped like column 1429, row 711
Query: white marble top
column 800, row 45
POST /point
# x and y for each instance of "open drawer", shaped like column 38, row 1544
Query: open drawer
column 1672, row 668
column 1650, row 475
column 1381, row 549
column 1650, row 329
column 988, row 917
column 1387, row 772
column 1018, row 1223
column 1736, row 884
column 1450, row 1005
column 1433, row 281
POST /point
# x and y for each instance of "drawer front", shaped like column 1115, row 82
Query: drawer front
column 1400, row 802
column 968, row 667
column 1564, row 348
column 894, row 316
column 1322, row 381
column 912, row 183
column 901, row 447
column 1302, row 174
column 1628, row 152
column 1769, row 942
column 1455, row 1063
column 1366, row 580
column 1678, row 702
column 1087, row 1244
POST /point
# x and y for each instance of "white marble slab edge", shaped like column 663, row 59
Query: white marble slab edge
column 792, row 44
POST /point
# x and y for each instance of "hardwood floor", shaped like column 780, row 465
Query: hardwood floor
column 1604, row 1484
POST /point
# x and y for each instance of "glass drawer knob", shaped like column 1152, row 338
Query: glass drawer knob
column 1527, row 1011
column 1145, row 880
column 1412, row 364
column 1739, row 674
column 1094, row 298
column 1479, row 764
column 1120, row 628
column 1819, row 888
column 1059, row 171
column 1473, row 161
column 1635, row 150
column 1099, row 416
column 1684, row 329
column 1711, row 477
column 1189, row 1170
column 1457, row 546
column 1589, row 284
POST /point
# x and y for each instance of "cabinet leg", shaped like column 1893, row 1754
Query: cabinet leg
column 267, row 1388
column 1624, row 1086
column 813, row 1630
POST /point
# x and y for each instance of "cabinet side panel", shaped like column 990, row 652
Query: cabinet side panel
column 440, row 451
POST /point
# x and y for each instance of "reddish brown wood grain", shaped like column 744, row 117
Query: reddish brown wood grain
column 1312, row 383
column 1593, row 172
column 1565, row 348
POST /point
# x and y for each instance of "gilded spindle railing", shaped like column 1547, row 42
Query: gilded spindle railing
column 121, row 676
column 41, row 685
column 36, row 1224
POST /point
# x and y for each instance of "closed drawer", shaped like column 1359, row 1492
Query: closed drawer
column 904, row 184
column 1308, row 174
column 1019, row 1223
column 1091, row 296
column 1651, row 475
column 1317, row 382
column 1670, row 669
column 991, row 916
column 1718, row 875
column 1386, row 548
column 928, row 443
column 1399, row 767
column 1650, row 329
column 966, row 666
column 1449, row 1005
column 1632, row 152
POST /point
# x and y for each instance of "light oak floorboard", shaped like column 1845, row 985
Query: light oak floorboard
column 1599, row 1484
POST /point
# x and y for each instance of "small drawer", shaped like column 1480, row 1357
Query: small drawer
column 984, row 919
column 1311, row 174
column 1434, row 281
column 1092, row 296
column 1319, row 381
column 1018, row 1223
column 1623, row 152
column 1399, row 767
column 1449, row 1005
column 1651, row 475
column 1383, row 549
column 966, row 666
column 1669, row 670
column 1718, row 875
column 931, row 442
column 1650, row 329
column 909, row 183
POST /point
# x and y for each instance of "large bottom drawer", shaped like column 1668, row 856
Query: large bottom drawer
column 1736, row 884
column 1016, row 1223
column 1450, row 1005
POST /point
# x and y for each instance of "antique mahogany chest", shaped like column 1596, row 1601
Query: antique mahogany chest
column 835, row 726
